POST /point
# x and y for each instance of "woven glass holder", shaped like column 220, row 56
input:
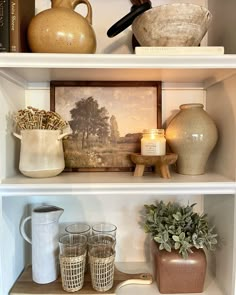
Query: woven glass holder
column 102, row 272
column 72, row 272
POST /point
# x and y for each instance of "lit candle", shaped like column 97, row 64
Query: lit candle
column 153, row 142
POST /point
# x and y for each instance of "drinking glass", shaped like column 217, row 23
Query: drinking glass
column 105, row 228
column 78, row 228
column 73, row 249
column 101, row 249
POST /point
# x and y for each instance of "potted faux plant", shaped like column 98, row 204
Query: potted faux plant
column 179, row 236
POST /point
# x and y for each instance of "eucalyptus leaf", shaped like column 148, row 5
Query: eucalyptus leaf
column 166, row 236
column 161, row 247
column 158, row 239
column 175, row 238
column 167, row 247
column 177, row 246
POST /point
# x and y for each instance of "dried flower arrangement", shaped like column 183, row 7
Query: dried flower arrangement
column 32, row 118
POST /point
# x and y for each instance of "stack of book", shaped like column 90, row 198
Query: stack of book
column 15, row 16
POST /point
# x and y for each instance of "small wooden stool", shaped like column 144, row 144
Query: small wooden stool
column 160, row 162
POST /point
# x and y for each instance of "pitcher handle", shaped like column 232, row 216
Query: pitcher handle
column 22, row 230
column 17, row 135
column 89, row 7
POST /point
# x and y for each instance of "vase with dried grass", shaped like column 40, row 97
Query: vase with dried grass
column 41, row 152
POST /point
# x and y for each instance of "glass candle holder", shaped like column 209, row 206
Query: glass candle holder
column 153, row 142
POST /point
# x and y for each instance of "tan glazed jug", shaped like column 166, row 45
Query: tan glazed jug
column 62, row 30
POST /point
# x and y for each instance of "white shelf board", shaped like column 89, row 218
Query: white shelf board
column 210, row 286
column 107, row 183
column 53, row 60
column 39, row 67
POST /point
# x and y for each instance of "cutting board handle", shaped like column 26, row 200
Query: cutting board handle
column 139, row 279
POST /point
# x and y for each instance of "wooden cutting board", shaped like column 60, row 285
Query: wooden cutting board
column 25, row 286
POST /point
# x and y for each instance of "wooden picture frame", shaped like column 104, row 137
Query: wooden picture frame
column 107, row 119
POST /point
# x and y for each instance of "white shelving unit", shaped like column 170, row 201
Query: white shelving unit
column 119, row 197
column 27, row 69
column 118, row 183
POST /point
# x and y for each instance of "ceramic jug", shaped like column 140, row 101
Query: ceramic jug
column 192, row 134
column 45, row 231
column 41, row 153
column 62, row 30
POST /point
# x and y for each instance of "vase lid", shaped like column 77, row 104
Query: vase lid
column 190, row 106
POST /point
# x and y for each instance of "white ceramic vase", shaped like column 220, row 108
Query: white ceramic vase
column 41, row 153
column 192, row 135
column 45, row 231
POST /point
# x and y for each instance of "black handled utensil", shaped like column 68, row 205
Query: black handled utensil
column 127, row 20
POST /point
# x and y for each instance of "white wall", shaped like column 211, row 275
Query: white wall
column 12, row 98
column 221, row 105
column 14, row 252
column 223, row 258
column 222, row 30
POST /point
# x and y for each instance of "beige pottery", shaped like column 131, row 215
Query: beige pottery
column 176, row 24
column 192, row 135
column 41, row 152
column 62, row 30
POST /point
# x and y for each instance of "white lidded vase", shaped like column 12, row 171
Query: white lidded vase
column 192, row 134
column 45, row 247
column 41, row 153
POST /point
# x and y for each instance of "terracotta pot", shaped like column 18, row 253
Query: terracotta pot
column 62, row 30
column 175, row 274
column 192, row 135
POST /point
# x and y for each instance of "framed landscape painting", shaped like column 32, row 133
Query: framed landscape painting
column 106, row 119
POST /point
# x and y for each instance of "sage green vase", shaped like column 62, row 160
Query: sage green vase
column 192, row 135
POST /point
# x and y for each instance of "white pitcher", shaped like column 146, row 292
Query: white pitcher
column 41, row 153
column 45, row 231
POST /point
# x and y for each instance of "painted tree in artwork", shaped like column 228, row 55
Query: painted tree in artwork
column 89, row 119
column 115, row 134
column 103, row 126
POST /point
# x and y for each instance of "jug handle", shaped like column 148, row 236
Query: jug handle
column 207, row 17
column 63, row 135
column 17, row 135
column 89, row 7
column 22, row 230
